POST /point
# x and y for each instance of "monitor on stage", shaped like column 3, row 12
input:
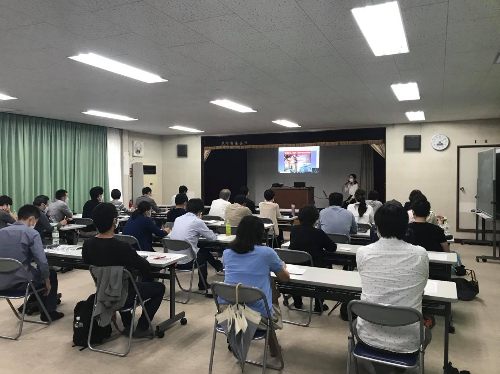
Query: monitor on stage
column 298, row 159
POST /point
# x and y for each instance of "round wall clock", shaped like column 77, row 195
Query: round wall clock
column 440, row 142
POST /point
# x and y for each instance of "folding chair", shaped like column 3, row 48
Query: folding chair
column 170, row 245
column 268, row 221
column 83, row 221
column 384, row 315
column 364, row 226
column 296, row 258
column 10, row 265
column 246, row 295
column 340, row 238
column 126, row 308
column 211, row 218
column 134, row 243
column 222, row 230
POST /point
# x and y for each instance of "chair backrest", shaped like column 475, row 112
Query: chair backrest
column 174, row 245
column 246, row 294
column 364, row 226
column 340, row 238
column 9, row 265
column 385, row 315
column 222, row 230
column 130, row 240
column 170, row 225
column 294, row 257
column 83, row 221
column 266, row 220
column 211, row 218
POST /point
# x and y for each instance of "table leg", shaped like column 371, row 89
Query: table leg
column 161, row 327
column 447, row 315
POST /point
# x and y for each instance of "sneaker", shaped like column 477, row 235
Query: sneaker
column 55, row 315
column 140, row 333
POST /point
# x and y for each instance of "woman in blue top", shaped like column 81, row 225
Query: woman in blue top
column 250, row 263
column 142, row 227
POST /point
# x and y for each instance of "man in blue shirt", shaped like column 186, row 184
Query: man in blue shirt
column 23, row 243
column 337, row 220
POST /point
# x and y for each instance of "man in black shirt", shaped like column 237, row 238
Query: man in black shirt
column 180, row 207
column 305, row 237
column 244, row 190
column 425, row 234
column 95, row 199
column 105, row 250
column 43, row 225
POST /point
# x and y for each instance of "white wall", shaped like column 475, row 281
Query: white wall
column 433, row 172
column 336, row 163
column 179, row 171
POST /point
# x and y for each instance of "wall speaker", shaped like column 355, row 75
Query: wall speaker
column 412, row 143
column 182, row 150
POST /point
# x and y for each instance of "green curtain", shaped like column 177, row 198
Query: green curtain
column 40, row 156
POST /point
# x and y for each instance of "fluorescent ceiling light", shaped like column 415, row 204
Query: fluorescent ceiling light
column 406, row 91
column 182, row 128
column 415, row 116
column 382, row 27
column 233, row 106
column 117, row 67
column 284, row 122
column 7, row 97
column 109, row 115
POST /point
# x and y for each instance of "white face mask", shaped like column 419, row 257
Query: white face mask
column 67, row 200
column 351, row 180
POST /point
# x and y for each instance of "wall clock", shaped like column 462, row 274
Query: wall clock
column 440, row 142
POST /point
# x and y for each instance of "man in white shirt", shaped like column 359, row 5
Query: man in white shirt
column 182, row 190
column 392, row 272
column 219, row 206
column 189, row 227
column 270, row 209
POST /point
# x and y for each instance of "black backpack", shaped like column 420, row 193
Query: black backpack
column 81, row 325
column 467, row 289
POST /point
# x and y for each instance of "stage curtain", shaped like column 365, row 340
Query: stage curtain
column 366, row 175
column 379, row 148
column 40, row 156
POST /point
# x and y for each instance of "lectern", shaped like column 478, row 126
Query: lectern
column 298, row 196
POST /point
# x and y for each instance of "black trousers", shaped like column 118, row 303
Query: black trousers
column 153, row 291
column 204, row 256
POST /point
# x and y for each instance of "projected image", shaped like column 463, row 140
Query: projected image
column 298, row 160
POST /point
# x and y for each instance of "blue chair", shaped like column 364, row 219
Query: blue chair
column 384, row 315
column 9, row 265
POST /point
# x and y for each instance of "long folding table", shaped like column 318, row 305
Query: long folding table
column 71, row 256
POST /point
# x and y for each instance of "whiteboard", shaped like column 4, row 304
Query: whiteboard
column 486, row 173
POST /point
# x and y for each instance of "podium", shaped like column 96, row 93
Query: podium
column 299, row 196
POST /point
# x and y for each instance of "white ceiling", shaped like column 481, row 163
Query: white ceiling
column 304, row 60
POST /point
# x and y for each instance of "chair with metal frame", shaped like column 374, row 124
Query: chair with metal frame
column 246, row 295
column 170, row 245
column 273, row 236
column 10, row 265
column 222, row 230
column 296, row 258
column 211, row 218
column 384, row 315
column 134, row 243
column 364, row 226
column 138, row 301
column 339, row 238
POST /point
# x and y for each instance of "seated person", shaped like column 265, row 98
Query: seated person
column 6, row 216
column 392, row 272
column 146, row 196
column 244, row 190
column 59, row 210
column 43, row 225
column 411, row 198
column 141, row 226
column 115, row 195
column 335, row 219
column 270, row 209
column 218, row 207
column 189, row 228
column 95, row 199
column 182, row 190
column 180, row 207
column 373, row 201
column 431, row 218
column 250, row 263
column 235, row 212
column 363, row 213
column 425, row 234
column 306, row 237
column 23, row 243
column 105, row 250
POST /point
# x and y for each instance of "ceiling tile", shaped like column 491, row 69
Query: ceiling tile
column 190, row 10
column 272, row 61
column 473, row 35
column 93, row 5
column 211, row 55
column 45, row 33
column 9, row 41
column 425, row 24
column 326, row 65
column 466, row 10
column 10, row 19
column 357, row 51
column 266, row 15
column 470, row 61
column 382, row 71
column 421, row 56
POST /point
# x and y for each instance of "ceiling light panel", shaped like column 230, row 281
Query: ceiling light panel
column 415, row 116
column 233, row 106
column 109, row 115
column 7, row 97
column 183, row 128
column 286, row 123
column 406, row 91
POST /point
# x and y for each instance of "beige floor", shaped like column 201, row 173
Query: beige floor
column 320, row 348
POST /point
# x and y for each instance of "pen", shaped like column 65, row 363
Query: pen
column 159, row 257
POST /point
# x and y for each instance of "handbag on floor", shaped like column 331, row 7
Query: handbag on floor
column 467, row 289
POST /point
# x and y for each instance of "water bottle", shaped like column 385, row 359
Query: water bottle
column 131, row 204
column 228, row 228
column 293, row 210
column 55, row 236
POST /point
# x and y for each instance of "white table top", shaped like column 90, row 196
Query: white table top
column 72, row 226
column 221, row 238
column 79, row 215
column 447, row 258
column 214, row 223
column 156, row 259
column 363, row 235
column 289, row 210
column 350, row 280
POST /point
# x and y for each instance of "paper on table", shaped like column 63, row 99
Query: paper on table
column 440, row 256
column 293, row 269
column 345, row 249
column 431, row 287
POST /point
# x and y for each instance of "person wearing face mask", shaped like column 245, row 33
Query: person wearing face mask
column 141, row 226
column 350, row 187
column 23, row 243
column 43, row 225
column 189, row 227
column 147, row 196
column 95, row 199
column 59, row 210
column 6, row 216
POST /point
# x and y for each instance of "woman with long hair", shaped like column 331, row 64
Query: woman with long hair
column 363, row 213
